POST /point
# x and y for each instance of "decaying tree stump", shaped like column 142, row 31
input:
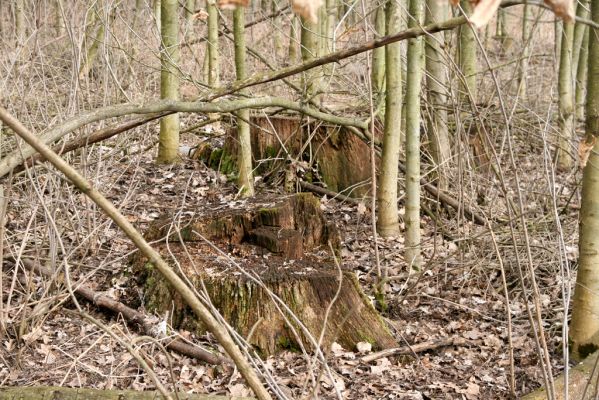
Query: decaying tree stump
column 284, row 248
column 343, row 160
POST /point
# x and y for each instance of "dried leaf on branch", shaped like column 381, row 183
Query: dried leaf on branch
column 232, row 4
column 306, row 8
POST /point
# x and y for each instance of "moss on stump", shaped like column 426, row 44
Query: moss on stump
column 284, row 249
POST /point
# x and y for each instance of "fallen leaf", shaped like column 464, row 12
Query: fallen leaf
column 584, row 150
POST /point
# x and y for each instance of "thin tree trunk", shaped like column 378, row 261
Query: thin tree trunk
column 246, row 179
column 168, row 145
column 294, row 44
column 523, row 70
column 277, row 39
column 188, row 295
column 190, row 6
column 93, row 45
column 436, row 83
column 310, row 43
column 157, row 11
column 585, row 305
column 414, row 78
column 581, row 76
column 388, row 213
column 566, row 99
column 20, row 20
column 213, row 56
column 580, row 31
column 467, row 58
column 378, row 56
column 59, row 24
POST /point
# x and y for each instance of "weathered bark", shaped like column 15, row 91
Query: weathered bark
column 288, row 234
column 584, row 327
column 168, row 145
column 436, row 85
column 566, row 99
column 341, row 157
column 388, row 213
column 64, row 393
column 245, row 178
column 414, row 78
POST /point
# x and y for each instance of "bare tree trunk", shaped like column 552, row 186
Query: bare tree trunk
column 20, row 20
column 566, row 99
column 310, row 44
column 467, row 58
column 585, row 305
column 581, row 76
column 294, row 44
column 168, row 145
column 436, row 83
column 59, row 22
column 212, row 44
column 94, row 36
column 388, row 213
column 414, row 79
column 523, row 70
column 378, row 56
column 157, row 11
column 246, row 178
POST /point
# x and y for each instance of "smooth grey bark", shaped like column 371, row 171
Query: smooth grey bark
column 388, row 213
column 414, row 78
column 245, row 179
column 436, row 85
column 584, row 327
column 168, row 143
column 378, row 56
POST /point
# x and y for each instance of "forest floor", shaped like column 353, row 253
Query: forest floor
column 459, row 293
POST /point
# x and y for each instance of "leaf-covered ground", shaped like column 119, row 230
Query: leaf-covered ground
column 459, row 293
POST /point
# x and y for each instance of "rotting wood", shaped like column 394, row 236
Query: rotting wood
column 190, row 298
column 291, row 261
column 132, row 316
column 64, row 393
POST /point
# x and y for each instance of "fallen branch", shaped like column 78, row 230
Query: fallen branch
column 167, row 107
column 333, row 195
column 417, row 348
column 132, row 316
column 187, row 294
column 63, row 393
column 95, row 137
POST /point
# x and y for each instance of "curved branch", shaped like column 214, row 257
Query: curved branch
column 166, row 107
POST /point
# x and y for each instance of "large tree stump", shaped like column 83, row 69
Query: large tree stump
column 283, row 247
column 342, row 159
